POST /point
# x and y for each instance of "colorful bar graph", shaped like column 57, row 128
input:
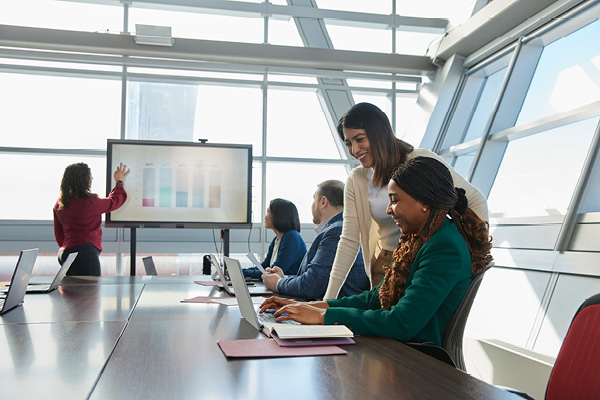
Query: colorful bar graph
column 148, row 187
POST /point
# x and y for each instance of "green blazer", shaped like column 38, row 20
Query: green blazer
column 437, row 282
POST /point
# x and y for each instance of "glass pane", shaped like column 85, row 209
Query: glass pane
column 363, row 83
column 415, row 43
column 538, row 173
column 221, row 114
column 227, row 114
column 462, row 164
column 58, row 64
column 63, row 15
column 376, row 7
column 567, row 75
column 407, row 111
column 257, row 211
column 483, row 109
column 284, row 32
column 256, row 78
column 457, row 10
column 380, row 100
column 58, row 112
column 296, row 126
column 248, row 29
column 292, row 79
column 161, row 111
column 360, row 39
column 284, row 181
column 36, row 187
column 410, row 119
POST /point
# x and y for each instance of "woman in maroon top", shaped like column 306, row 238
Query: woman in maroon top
column 78, row 217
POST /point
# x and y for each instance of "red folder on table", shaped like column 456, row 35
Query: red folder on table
column 259, row 348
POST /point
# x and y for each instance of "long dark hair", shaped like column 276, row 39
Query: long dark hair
column 387, row 149
column 76, row 182
column 428, row 181
column 285, row 215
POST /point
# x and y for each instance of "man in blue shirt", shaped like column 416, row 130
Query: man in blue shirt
column 312, row 278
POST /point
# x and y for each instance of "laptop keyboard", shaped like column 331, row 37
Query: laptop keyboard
column 269, row 318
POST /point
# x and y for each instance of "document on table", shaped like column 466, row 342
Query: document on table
column 252, row 258
column 231, row 301
column 227, row 301
column 201, row 299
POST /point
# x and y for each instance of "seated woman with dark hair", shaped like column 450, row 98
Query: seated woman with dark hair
column 432, row 265
column 287, row 249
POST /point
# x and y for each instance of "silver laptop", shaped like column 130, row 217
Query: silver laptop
column 45, row 288
column 33, row 288
column 255, row 290
column 19, row 281
column 242, row 295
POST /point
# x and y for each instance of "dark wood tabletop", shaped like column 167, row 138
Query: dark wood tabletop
column 132, row 338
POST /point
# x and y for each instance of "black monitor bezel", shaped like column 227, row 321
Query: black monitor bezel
column 109, row 222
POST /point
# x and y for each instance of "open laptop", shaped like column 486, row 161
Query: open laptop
column 255, row 290
column 242, row 295
column 33, row 288
column 19, row 281
column 292, row 331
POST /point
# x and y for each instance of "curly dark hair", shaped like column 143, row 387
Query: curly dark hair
column 429, row 182
column 75, row 183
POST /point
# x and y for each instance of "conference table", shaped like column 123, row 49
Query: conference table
column 132, row 338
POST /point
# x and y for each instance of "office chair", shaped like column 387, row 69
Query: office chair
column 149, row 265
column 575, row 372
column 451, row 351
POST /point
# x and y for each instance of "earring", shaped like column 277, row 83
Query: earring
column 424, row 209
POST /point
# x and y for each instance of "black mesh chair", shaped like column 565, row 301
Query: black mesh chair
column 451, row 351
column 149, row 265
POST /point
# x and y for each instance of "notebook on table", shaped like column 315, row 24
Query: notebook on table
column 19, row 281
column 266, row 323
column 255, row 290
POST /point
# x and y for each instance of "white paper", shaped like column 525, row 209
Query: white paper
column 252, row 258
column 231, row 301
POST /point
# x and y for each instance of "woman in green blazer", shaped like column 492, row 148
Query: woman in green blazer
column 443, row 246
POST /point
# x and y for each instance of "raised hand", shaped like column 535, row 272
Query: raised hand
column 121, row 173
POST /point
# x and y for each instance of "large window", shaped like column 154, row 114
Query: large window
column 34, row 182
column 300, row 130
column 483, row 109
column 192, row 25
column 63, row 15
column 567, row 76
column 58, row 112
column 539, row 172
column 59, row 105
column 297, row 183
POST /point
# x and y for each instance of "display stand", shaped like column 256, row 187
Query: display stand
column 132, row 252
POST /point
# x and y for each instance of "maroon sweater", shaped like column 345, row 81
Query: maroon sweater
column 81, row 222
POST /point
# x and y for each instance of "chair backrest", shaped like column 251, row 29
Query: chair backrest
column 149, row 265
column 575, row 372
column 452, row 341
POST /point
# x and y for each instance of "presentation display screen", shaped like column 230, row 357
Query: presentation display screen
column 181, row 185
